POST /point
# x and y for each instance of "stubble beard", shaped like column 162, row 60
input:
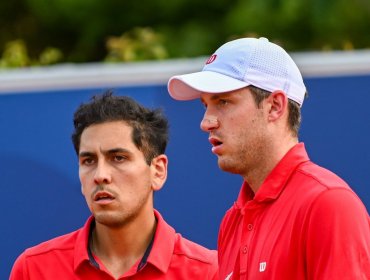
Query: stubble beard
column 119, row 217
column 245, row 159
column 113, row 220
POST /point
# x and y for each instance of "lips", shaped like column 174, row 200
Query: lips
column 216, row 144
column 214, row 141
column 103, row 196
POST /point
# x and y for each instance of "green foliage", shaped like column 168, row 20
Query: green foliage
column 95, row 30
column 50, row 56
column 305, row 24
column 135, row 45
column 16, row 55
column 339, row 24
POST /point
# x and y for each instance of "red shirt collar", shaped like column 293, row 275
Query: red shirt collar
column 164, row 244
column 81, row 245
column 161, row 252
column 276, row 180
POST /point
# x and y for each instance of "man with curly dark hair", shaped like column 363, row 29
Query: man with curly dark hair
column 121, row 151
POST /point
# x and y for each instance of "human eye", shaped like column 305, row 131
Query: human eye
column 119, row 158
column 223, row 102
column 87, row 161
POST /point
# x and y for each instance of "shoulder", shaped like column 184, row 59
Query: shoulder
column 194, row 251
column 42, row 260
column 328, row 202
column 324, row 190
column 195, row 259
column 312, row 181
column 63, row 242
column 315, row 174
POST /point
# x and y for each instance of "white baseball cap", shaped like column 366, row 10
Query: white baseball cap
column 240, row 63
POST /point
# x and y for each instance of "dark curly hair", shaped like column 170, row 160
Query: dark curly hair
column 150, row 127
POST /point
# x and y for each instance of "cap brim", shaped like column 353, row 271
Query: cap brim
column 190, row 86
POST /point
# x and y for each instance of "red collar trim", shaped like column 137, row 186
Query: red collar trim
column 81, row 245
column 163, row 245
column 161, row 252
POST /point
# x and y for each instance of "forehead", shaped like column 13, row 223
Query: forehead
column 107, row 135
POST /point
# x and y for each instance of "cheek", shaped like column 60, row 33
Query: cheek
column 244, row 133
column 83, row 181
column 134, row 186
column 83, row 190
column 239, row 126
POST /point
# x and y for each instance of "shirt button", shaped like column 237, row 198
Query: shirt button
column 245, row 250
column 250, row 226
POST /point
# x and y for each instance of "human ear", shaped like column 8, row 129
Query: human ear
column 278, row 102
column 159, row 171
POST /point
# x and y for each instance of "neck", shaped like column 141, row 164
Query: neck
column 271, row 158
column 120, row 248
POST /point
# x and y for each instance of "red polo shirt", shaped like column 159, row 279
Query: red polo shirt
column 303, row 223
column 67, row 257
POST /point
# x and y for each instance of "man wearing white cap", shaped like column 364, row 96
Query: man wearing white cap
column 292, row 219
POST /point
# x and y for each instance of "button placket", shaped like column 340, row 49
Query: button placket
column 244, row 249
column 249, row 213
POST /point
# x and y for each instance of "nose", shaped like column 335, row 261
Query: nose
column 209, row 123
column 102, row 174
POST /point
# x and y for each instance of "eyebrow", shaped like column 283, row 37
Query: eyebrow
column 220, row 95
column 215, row 97
column 107, row 152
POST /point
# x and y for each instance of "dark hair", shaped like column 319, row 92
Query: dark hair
column 150, row 127
column 294, row 117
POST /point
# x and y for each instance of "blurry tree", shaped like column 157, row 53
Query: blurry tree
column 138, row 44
column 305, row 24
column 340, row 24
column 50, row 56
column 83, row 29
column 16, row 55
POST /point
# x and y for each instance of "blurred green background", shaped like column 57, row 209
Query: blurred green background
column 43, row 32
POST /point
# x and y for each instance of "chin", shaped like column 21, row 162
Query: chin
column 111, row 220
column 227, row 167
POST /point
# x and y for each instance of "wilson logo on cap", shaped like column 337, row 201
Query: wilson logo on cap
column 211, row 59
